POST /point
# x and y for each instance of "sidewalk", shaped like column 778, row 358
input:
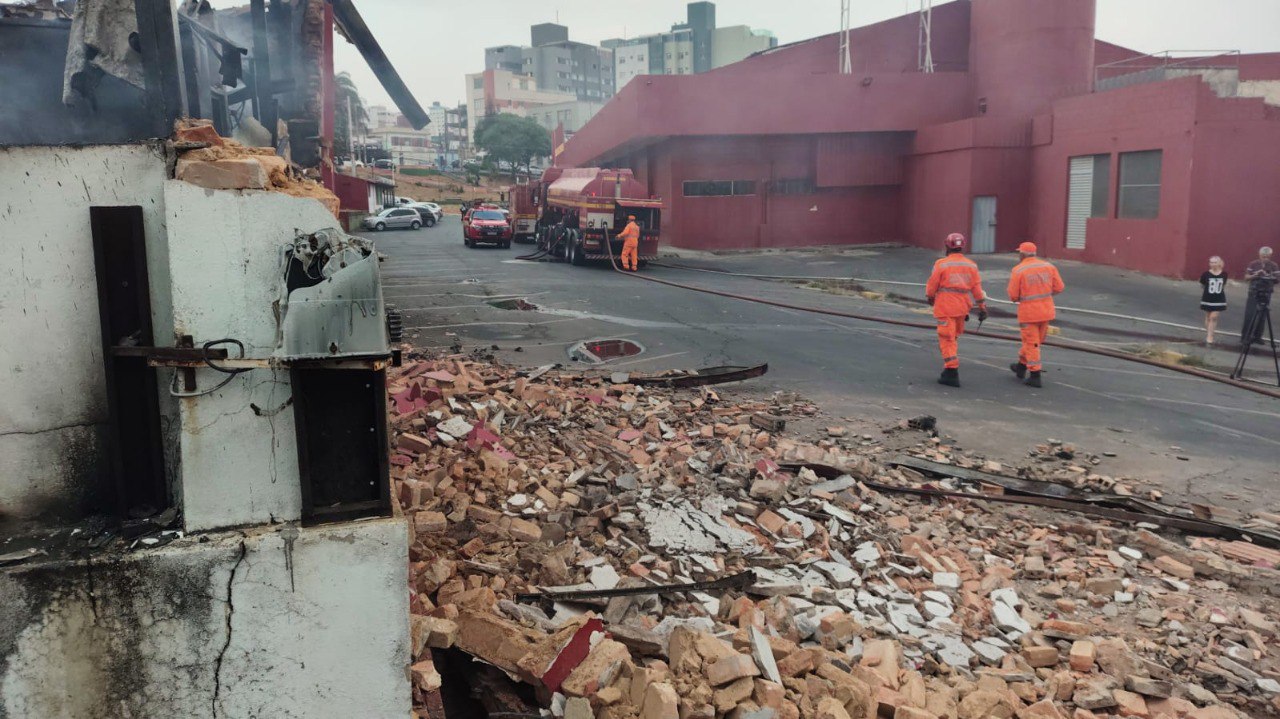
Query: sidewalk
column 1096, row 288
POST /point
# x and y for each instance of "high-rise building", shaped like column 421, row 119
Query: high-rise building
column 693, row 46
column 558, row 64
column 499, row 90
column 380, row 117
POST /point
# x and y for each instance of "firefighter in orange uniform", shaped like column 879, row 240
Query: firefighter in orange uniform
column 952, row 289
column 630, row 237
column 1032, row 285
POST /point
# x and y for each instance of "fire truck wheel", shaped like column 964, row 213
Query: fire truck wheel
column 467, row 241
column 576, row 257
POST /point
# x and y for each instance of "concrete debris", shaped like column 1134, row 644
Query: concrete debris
column 864, row 604
column 218, row 163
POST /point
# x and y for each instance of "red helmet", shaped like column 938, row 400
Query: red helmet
column 955, row 241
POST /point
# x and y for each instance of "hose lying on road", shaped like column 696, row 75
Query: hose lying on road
column 1202, row 374
column 1081, row 310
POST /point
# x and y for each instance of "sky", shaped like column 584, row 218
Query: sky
column 433, row 44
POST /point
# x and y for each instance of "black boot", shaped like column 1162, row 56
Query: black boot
column 1019, row 369
column 950, row 377
column 1034, row 380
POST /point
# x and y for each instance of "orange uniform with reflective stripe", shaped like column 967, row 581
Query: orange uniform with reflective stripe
column 1032, row 285
column 630, row 237
column 953, row 287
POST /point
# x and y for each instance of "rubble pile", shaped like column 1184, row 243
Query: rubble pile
column 209, row 160
column 813, row 598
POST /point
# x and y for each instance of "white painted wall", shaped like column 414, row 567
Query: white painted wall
column 237, row 467
column 236, row 626
column 53, row 408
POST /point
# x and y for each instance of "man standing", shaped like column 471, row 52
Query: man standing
column 1032, row 285
column 1261, row 274
column 953, row 282
column 630, row 237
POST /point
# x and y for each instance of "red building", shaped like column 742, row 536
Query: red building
column 1027, row 128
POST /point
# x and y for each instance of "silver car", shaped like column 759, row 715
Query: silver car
column 393, row 218
column 429, row 211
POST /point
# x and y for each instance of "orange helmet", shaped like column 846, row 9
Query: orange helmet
column 955, row 241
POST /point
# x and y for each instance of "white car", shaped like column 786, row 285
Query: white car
column 429, row 211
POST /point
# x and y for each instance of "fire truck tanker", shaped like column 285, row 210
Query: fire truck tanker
column 577, row 210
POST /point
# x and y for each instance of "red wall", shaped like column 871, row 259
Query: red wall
column 1023, row 54
column 352, row 192
column 1144, row 117
column 834, row 215
column 884, row 47
column 690, row 105
column 1235, row 191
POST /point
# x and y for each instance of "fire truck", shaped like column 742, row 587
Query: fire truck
column 579, row 209
column 524, row 213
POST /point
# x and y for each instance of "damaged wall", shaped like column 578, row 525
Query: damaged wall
column 225, row 260
column 238, row 626
column 53, row 417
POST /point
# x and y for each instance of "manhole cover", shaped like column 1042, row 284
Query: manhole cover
column 602, row 351
column 518, row 303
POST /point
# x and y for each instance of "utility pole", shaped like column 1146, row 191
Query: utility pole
column 351, row 136
column 846, row 66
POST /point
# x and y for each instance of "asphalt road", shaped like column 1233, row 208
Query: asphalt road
column 1192, row 438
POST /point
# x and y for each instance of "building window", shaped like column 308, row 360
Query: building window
column 478, row 83
column 719, row 188
column 1140, row 185
column 793, row 186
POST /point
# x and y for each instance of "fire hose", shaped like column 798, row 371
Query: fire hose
column 1102, row 352
column 549, row 251
column 869, row 280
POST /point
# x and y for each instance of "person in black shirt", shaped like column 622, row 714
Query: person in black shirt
column 1214, row 298
column 1262, row 275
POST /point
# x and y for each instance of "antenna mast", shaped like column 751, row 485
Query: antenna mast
column 846, row 66
column 925, row 50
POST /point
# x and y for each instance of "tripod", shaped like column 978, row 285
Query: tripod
column 1261, row 318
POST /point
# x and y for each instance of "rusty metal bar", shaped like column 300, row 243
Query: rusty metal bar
column 1090, row 507
column 702, row 377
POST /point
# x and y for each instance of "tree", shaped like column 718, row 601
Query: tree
column 345, row 91
column 514, row 139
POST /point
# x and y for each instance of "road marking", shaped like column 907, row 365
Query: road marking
column 483, row 324
column 430, row 279
column 1237, row 433
column 513, row 295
